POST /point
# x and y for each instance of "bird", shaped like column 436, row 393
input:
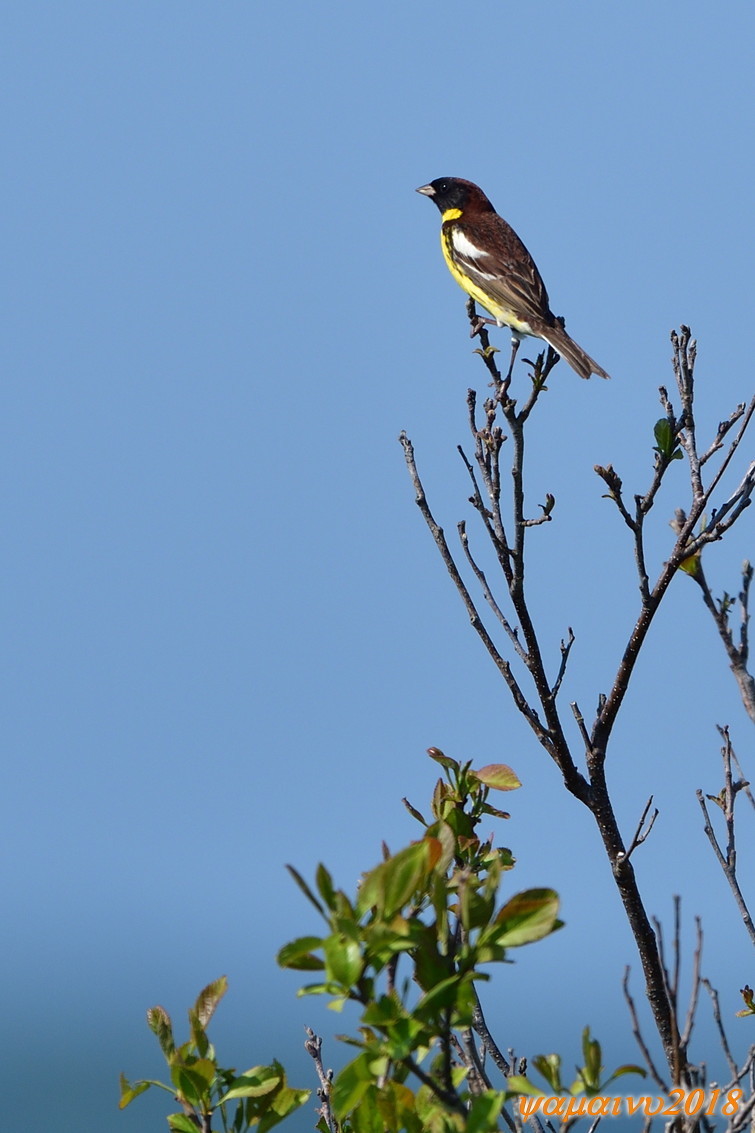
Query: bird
column 487, row 258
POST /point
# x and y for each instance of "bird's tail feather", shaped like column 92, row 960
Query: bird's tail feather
column 579, row 360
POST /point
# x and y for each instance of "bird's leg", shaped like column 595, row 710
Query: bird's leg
column 514, row 347
column 479, row 323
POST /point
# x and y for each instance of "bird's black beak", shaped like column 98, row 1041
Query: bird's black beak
column 426, row 190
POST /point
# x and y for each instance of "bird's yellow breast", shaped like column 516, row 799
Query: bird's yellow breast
column 502, row 315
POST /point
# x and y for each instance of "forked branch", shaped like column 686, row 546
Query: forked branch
column 676, row 437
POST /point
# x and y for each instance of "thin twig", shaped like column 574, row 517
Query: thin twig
column 451, row 1100
column 638, row 1035
column 467, row 1052
column 723, row 429
column 577, row 714
column 481, row 1027
column 716, row 1007
column 565, row 651
column 737, row 654
column 732, row 449
column 440, row 541
column 640, row 835
column 744, row 786
column 694, row 997
column 313, row 1047
column 488, row 594
column 726, row 800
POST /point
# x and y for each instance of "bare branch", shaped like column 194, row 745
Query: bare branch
column 440, row 541
column 695, row 986
column 577, row 713
column 640, row 835
column 723, row 429
column 565, row 651
column 450, row 1100
column 674, row 435
column 652, row 1070
column 481, row 1027
column 737, row 654
column 488, row 594
column 313, row 1047
column 685, row 353
column 732, row 449
column 488, row 352
column 725, row 800
column 735, row 1074
column 614, row 484
column 743, row 784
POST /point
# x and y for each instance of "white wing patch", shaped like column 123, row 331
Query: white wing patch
column 470, row 255
column 465, row 247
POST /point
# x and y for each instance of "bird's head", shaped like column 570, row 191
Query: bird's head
column 456, row 193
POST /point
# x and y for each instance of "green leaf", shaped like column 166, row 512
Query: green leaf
column 204, row 1070
column 494, row 811
column 393, row 883
column 343, row 959
column 396, row 1103
column 666, row 441
column 455, row 993
column 350, row 1085
column 593, row 1060
column 383, row 1012
column 691, row 565
column 528, row 916
column 518, row 1084
column 297, row 954
column 484, row 1111
column 284, row 1102
column 253, row 1083
column 325, row 888
column 130, row 1091
column 319, row 989
column 664, row 436
column 198, row 1034
column 193, row 1082
column 414, row 812
column 208, row 999
column 444, row 760
column 549, row 1065
column 180, row 1123
column 366, row 1117
column 748, row 995
column 627, row 1068
column 431, row 966
column 159, row 1022
column 305, row 889
column 498, row 776
column 445, row 835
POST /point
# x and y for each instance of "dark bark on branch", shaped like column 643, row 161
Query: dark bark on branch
column 676, row 438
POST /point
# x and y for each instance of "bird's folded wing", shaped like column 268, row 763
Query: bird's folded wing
column 497, row 262
column 510, row 286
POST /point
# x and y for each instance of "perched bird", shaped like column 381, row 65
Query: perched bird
column 487, row 258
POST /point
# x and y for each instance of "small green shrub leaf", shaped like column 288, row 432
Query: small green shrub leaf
column 528, row 916
column 499, row 776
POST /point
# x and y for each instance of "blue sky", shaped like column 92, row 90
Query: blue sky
column 228, row 641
